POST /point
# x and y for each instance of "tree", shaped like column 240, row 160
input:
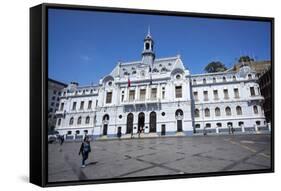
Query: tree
column 245, row 59
column 215, row 67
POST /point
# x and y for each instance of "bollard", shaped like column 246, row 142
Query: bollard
column 243, row 128
column 217, row 130
column 256, row 128
column 269, row 126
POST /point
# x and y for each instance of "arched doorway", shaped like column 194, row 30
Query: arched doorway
column 179, row 118
column 130, row 121
column 105, row 121
column 152, row 122
column 141, row 120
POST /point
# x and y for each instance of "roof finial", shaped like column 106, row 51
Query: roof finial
column 148, row 31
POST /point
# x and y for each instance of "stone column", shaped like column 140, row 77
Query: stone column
column 147, row 92
column 217, row 130
column 137, row 93
column 158, row 91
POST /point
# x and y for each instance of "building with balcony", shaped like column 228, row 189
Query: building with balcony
column 159, row 96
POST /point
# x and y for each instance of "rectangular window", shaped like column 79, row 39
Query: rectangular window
column 153, row 93
column 142, row 94
column 90, row 104
column 74, row 106
column 252, row 90
column 236, row 93
column 178, row 91
column 163, row 93
column 225, row 92
column 108, row 97
column 195, row 95
column 132, row 95
column 205, row 95
column 216, row 95
column 82, row 105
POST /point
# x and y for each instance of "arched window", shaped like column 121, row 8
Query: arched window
column 204, row 81
column 194, row 82
column 258, row 122
column 79, row 120
column 197, row 126
column 234, row 78
column 228, row 111
column 147, row 46
column 208, row 125
column 207, row 112
column 218, row 124
column 239, row 110
column 179, row 112
column 224, row 79
column 249, row 76
column 105, row 117
column 196, row 113
column 240, row 123
column 87, row 120
column 71, row 121
column 214, row 80
column 255, row 108
column 217, row 111
column 77, row 132
column 59, row 122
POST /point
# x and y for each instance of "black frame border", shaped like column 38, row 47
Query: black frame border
column 39, row 81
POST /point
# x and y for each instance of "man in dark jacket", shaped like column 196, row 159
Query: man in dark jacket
column 85, row 149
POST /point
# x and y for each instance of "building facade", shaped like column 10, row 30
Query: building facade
column 265, row 83
column 160, row 97
column 54, row 92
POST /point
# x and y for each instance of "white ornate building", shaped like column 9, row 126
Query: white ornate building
column 160, row 96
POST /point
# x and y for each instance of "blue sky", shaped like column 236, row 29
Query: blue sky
column 85, row 45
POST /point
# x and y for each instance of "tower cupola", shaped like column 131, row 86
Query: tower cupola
column 148, row 54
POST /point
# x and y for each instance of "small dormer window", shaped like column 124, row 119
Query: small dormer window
column 110, row 83
column 155, row 70
column 178, row 77
column 204, row 81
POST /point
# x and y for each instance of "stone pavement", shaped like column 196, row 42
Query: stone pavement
column 159, row 156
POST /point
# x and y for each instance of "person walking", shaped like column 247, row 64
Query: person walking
column 61, row 138
column 85, row 149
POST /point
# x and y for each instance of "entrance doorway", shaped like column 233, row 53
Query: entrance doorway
column 105, row 121
column 179, row 118
column 130, row 120
column 152, row 122
column 163, row 129
column 105, row 129
column 141, row 120
column 179, row 125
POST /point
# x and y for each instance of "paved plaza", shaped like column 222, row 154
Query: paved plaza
column 159, row 156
